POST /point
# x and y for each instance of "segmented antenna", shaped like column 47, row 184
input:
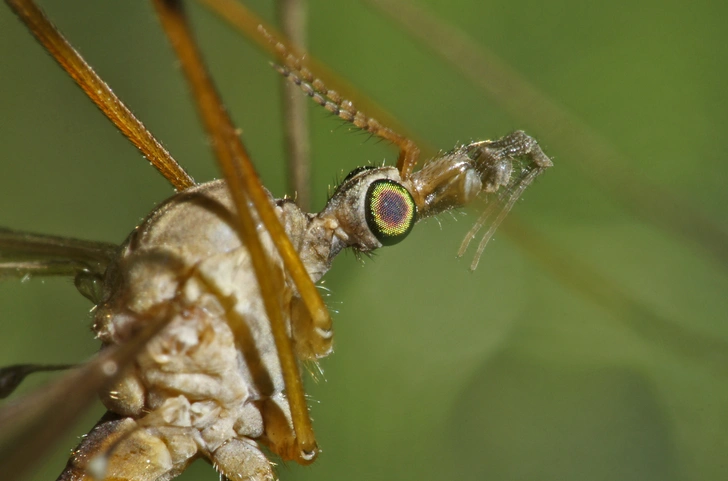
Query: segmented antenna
column 332, row 101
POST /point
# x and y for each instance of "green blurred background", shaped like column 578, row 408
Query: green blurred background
column 607, row 362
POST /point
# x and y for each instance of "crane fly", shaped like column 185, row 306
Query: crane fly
column 207, row 309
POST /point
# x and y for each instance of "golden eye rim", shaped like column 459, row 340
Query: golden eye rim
column 375, row 223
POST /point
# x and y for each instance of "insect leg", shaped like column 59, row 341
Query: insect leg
column 99, row 92
column 245, row 189
column 311, row 342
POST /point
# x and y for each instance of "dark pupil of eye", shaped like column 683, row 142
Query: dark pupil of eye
column 391, row 210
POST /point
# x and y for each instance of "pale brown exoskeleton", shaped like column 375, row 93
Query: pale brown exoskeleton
column 207, row 308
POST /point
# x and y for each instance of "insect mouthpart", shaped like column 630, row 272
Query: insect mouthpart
column 457, row 178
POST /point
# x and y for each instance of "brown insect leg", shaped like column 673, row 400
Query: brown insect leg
column 245, row 188
column 100, row 93
column 311, row 342
column 279, row 435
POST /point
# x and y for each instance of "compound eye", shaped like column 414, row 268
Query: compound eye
column 390, row 211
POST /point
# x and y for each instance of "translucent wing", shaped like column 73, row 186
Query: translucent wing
column 24, row 253
column 32, row 423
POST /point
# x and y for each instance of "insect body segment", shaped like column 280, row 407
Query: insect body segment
column 211, row 385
